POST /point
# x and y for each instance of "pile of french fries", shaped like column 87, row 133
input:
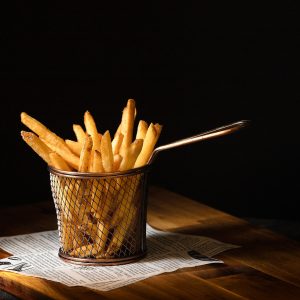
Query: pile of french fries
column 95, row 219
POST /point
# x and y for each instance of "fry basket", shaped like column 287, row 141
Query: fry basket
column 101, row 216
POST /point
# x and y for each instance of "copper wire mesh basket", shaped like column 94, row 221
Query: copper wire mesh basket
column 101, row 217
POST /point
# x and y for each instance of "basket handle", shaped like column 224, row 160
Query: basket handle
column 219, row 131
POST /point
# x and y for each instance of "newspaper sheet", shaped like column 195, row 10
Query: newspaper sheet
column 36, row 255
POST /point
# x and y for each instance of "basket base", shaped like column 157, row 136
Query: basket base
column 100, row 261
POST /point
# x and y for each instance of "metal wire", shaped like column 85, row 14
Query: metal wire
column 101, row 217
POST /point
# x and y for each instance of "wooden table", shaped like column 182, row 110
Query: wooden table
column 267, row 266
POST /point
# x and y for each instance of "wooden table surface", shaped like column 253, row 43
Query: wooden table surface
column 267, row 266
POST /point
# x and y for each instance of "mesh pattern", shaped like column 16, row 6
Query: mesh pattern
column 100, row 217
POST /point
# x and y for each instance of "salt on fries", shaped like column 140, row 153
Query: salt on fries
column 92, row 151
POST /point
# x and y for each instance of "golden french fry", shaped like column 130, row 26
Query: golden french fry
column 85, row 154
column 57, row 142
column 158, row 129
column 131, row 155
column 67, row 235
column 97, row 166
column 141, row 130
column 124, row 199
column 100, row 204
column 105, row 198
column 120, row 232
column 97, row 188
column 47, row 144
column 75, row 147
column 148, row 146
column 91, row 162
column 101, row 237
column 79, row 132
column 106, row 152
column 116, row 143
column 127, row 125
column 72, row 202
column 117, row 162
column 96, row 203
column 37, row 145
column 58, row 162
column 119, row 129
column 83, row 192
column 91, row 129
column 93, row 155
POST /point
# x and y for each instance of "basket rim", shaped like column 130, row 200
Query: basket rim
column 76, row 174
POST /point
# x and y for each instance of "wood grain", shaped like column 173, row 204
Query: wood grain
column 267, row 266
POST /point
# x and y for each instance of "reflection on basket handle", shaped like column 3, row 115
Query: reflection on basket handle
column 223, row 130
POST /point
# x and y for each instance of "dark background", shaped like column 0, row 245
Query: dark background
column 189, row 67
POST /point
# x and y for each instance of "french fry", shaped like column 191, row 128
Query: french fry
column 117, row 162
column 120, row 233
column 97, row 166
column 57, row 142
column 61, row 164
column 100, row 205
column 97, row 188
column 101, row 238
column 70, row 203
column 104, row 201
column 75, row 147
column 96, row 203
column 131, row 155
column 67, row 235
column 107, row 200
column 148, row 146
column 106, row 152
column 158, row 129
column 83, row 191
column 91, row 161
column 124, row 199
column 37, row 145
column 58, row 162
column 116, row 143
column 141, row 130
column 119, row 129
column 127, row 125
column 79, row 132
column 85, row 154
column 91, row 129
column 93, row 154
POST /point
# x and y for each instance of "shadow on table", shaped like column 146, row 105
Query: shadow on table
column 289, row 228
column 249, row 236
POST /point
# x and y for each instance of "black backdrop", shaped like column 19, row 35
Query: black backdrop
column 190, row 68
